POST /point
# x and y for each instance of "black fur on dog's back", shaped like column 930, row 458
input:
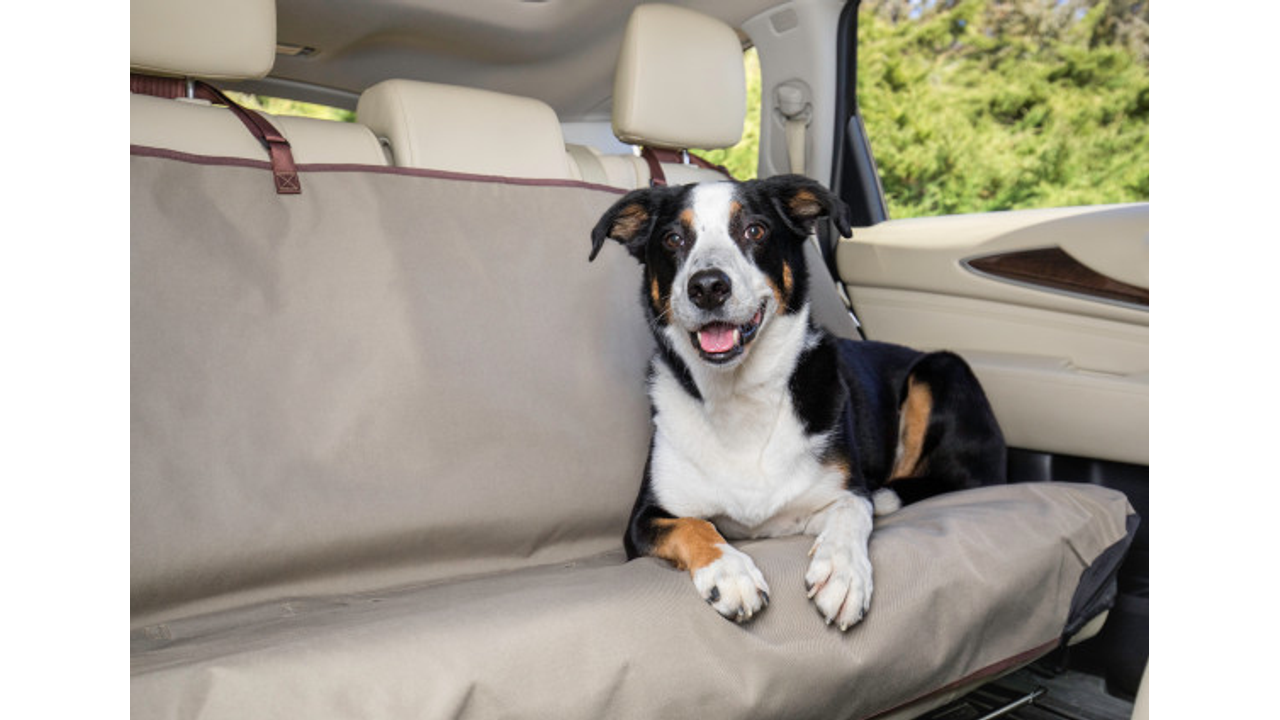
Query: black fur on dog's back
column 876, row 376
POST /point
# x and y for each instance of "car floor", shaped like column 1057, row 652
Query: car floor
column 1068, row 695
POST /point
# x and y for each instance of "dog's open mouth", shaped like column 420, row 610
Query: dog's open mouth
column 720, row 342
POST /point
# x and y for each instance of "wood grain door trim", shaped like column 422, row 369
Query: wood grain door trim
column 1053, row 269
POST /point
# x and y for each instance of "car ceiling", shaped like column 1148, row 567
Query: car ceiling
column 560, row 51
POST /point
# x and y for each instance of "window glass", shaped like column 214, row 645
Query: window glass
column 982, row 105
column 281, row 106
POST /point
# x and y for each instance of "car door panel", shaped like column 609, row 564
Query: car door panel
column 1060, row 341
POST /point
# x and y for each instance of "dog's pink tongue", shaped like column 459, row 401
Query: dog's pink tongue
column 716, row 338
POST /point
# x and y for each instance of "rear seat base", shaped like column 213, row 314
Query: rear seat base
column 967, row 586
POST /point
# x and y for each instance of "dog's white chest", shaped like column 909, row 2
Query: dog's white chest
column 743, row 458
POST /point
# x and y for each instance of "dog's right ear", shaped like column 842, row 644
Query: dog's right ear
column 629, row 221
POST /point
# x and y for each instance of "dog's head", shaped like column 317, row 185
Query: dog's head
column 721, row 259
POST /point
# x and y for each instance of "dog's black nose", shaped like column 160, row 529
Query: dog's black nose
column 708, row 289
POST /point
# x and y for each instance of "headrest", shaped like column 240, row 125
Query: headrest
column 680, row 82
column 446, row 127
column 222, row 40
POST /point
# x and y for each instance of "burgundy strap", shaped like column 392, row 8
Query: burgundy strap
column 656, row 156
column 656, row 176
column 278, row 149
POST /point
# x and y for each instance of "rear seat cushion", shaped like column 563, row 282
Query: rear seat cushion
column 621, row 171
column 445, row 127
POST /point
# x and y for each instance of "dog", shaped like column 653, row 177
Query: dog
column 766, row 425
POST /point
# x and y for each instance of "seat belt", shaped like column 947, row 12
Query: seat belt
column 797, row 112
column 283, row 167
column 795, row 144
column 654, row 157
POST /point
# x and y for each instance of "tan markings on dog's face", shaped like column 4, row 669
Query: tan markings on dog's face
column 629, row 222
column 914, row 422
column 687, row 543
column 655, row 294
column 783, row 294
column 687, row 217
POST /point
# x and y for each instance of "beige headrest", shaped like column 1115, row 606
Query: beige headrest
column 212, row 39
column 680, row 82
column 445, row 127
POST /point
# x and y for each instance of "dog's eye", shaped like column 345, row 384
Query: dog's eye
column 673, row 240
column 754, row 232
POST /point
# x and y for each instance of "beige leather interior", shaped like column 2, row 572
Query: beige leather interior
column 223, row 40
column 795, row 41
column 228, row 39
column 928, row 254
column 444, row 127
column 680, row 81
column 1064, row 373
column 195, row 126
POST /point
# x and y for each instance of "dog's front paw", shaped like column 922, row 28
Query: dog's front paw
column 839, row 581
column 733, row 585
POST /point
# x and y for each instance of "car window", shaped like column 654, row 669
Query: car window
column 283, row 106
column 984, row 105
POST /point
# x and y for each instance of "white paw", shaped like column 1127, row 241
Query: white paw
column 839, row 581
column 732, row 585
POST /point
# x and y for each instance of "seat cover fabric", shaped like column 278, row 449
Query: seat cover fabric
column 385, row 437
column 397, row 374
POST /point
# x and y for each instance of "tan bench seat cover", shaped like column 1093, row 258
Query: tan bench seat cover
column 385, row 437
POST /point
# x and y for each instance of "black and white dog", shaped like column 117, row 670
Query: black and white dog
column 765, row 425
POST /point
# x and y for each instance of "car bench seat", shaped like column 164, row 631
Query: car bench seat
column 385, row 435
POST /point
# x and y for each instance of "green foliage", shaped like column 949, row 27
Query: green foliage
column 742, row 159
column 982, row 105
column 281, row 106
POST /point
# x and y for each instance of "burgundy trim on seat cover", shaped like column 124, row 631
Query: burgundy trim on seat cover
column 146, row 151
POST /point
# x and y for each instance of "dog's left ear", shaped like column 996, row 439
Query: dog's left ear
column 802, row 201
column 629, row 221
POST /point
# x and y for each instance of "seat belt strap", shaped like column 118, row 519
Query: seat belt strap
column 283, row 168
column 792, row 106
column 795, row 144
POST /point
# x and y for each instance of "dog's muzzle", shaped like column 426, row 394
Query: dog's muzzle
column 721, row 342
